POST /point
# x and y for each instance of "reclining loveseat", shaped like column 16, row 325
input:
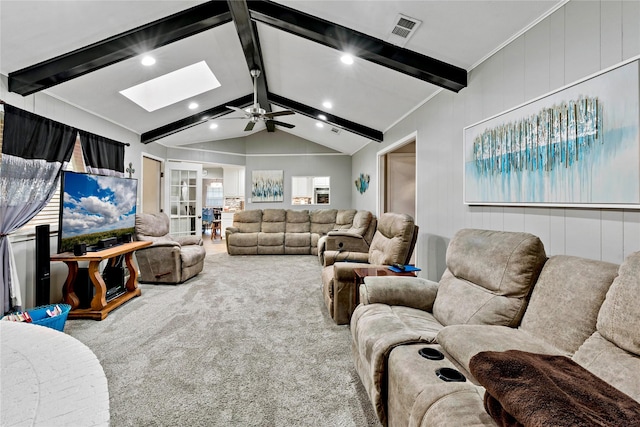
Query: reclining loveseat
column 500, row 295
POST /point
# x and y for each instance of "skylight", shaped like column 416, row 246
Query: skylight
column 173, row 87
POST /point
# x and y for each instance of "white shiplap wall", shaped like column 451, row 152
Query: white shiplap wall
column 577, row 40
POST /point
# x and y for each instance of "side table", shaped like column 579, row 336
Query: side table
column 361, row 273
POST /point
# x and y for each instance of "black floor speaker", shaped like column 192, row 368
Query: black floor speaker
column 43, row 265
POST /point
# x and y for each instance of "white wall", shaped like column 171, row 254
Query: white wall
column 297, row 157
column 577, row 40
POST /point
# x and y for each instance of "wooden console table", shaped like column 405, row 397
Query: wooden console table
column 99, row 307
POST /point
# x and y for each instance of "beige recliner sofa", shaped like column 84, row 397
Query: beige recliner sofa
column 562, row 314
column 290, row 231
column 393, row 242
column 169, row 259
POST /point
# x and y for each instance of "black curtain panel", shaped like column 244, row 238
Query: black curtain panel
column 34, row 150
column 102, row 156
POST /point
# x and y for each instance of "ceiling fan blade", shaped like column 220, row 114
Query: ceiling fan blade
column 231, row 107
column 231, row 118
column 285, row 125
column 279, row 113
column 249, row 126
column 271, row 127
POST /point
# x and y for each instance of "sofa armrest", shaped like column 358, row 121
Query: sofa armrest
column 188, row 240
column 162, row 244
column 331, row 257
column 231, row 230
column 413, row 292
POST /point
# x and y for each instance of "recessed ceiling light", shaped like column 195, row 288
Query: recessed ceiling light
column 173, row 87
column 322, row 117
column 327, row 104
column 213, row 126
column 320, row 125
column 148, row 61
column 347, row 59
column 193, row 106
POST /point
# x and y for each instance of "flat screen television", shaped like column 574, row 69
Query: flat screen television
column 94, row 208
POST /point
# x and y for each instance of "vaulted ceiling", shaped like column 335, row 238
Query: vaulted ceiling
column 86, row 52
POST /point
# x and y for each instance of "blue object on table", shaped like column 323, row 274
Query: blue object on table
column 407, row 269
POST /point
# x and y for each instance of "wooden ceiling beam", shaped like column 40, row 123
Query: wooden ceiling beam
column 358, row 44
column 119, row 47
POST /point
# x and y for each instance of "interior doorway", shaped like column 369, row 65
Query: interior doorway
column 397, row 175
column 400, row 182
column 151, row 184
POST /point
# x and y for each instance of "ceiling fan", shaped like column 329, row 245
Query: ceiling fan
column 255, row 113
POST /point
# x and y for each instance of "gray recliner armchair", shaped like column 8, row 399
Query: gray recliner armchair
column 393, row 242
column 169, row 259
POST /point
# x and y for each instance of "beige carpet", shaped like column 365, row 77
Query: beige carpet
column 248, row 342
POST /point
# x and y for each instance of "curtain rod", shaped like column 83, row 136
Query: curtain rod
column 123, row 143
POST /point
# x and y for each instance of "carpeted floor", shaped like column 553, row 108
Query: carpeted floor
column 248, row 342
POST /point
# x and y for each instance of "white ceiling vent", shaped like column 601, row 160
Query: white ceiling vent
column 404, row 27
column 335, row 130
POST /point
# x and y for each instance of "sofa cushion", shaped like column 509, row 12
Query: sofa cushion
column 462, row 342
column 566, row 299
column 273, row 220
column 243, row 239
column 344, row 219
column 488, row 278
column 392, row 240
column 151, row 225
column 361, row 222
column 297, row 221
column 322, row 220
column 619, row 317
column 296, row 240
column 248, row 221
column 271, row 239
column 614, row 365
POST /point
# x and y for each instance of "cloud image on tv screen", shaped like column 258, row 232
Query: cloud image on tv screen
column 95, row 207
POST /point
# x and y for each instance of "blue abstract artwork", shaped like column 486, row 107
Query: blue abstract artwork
column 578, row 146
column 362, row 183
column 267, row 186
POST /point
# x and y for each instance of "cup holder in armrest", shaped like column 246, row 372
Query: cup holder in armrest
column 431, row 353
column 450, row 375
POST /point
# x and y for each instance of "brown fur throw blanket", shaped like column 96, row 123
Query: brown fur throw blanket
column 527, row 389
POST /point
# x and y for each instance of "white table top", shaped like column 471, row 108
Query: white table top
column 49, row 378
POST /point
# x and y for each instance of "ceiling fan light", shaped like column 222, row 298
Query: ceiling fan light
column 147, row 60
column 347, row 59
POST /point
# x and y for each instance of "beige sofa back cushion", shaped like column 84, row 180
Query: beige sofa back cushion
column 344, row 219
column 151, row 225
column 392, row 240
column 248, row 221
column 322, row 220
column 566, row 299
column 273, row 220
column 361, row 222
column 488, row 278
column 298, row 221
column 619, row 317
